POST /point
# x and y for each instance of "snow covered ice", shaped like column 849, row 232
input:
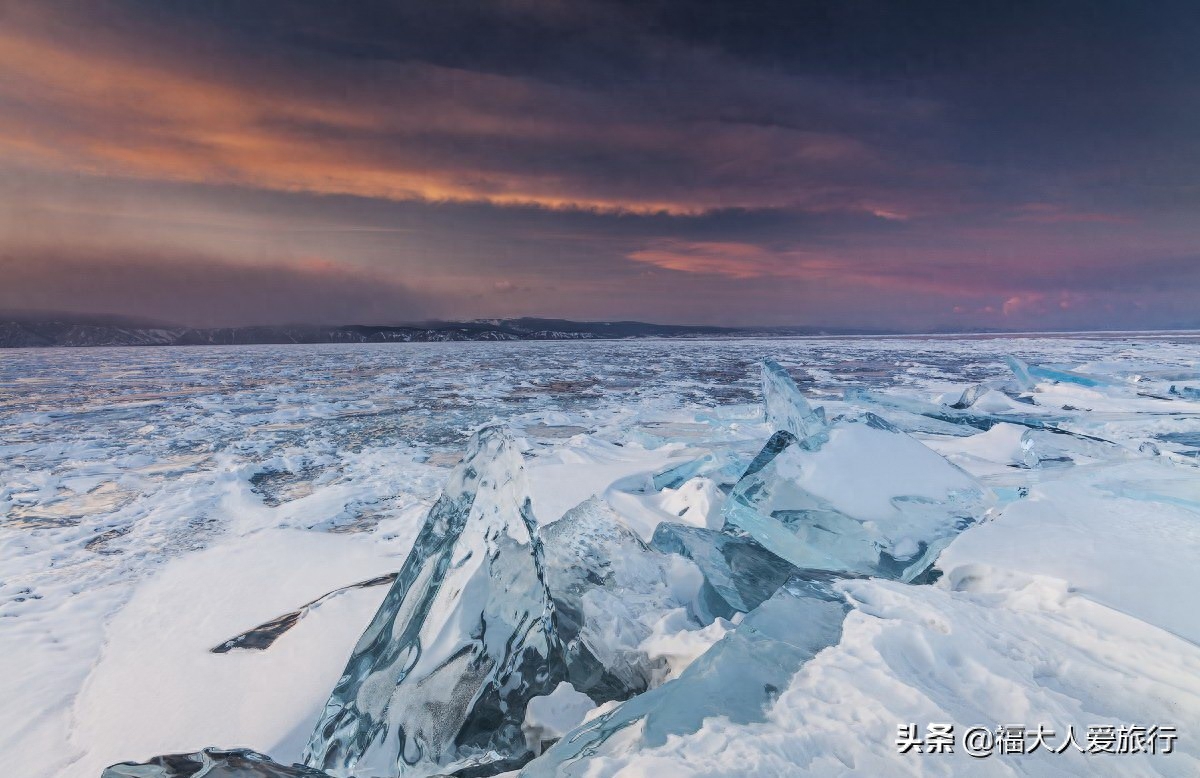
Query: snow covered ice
column 550, row 717
column 160, row 503
column 859, row 497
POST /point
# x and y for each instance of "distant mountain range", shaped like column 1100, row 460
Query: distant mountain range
column 70, row 331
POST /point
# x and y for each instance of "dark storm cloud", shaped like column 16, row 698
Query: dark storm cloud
column 919, row 163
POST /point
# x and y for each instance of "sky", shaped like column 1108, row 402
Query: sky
column 907, row 166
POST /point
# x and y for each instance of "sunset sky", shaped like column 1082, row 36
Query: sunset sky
column 903, row 165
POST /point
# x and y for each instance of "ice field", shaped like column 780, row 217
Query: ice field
column 728, row 599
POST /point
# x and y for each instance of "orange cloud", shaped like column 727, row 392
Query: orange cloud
column 734, row 260
column 404, row 131
column 747, row 260
column 887, row 270
column 1037, row 303
column 145, row 122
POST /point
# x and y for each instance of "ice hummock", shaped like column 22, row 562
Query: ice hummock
column 865, row 498
column 213, row 762
column 737, row 678
column 609, row 588
column 440, row 679
column 785, row 406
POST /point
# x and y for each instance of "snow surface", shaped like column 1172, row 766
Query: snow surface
column 553, row 715
column 157, row 502
column 158, row 688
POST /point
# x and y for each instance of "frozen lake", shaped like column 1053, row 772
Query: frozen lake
column 120, row 468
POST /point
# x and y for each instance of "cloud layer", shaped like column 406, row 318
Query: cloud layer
column 806, row 163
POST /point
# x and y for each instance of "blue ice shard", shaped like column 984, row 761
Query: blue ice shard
column 868, row 500
column 739, row 574
column 609, row 587
column 1186, row 392
column 1020, row 370
column 1051, row 447
column 439, row 680
column 1028, row 375
column 784, row 405
column 970, row 396
column 212, row 762
column 737, row 678
column 724, row 466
